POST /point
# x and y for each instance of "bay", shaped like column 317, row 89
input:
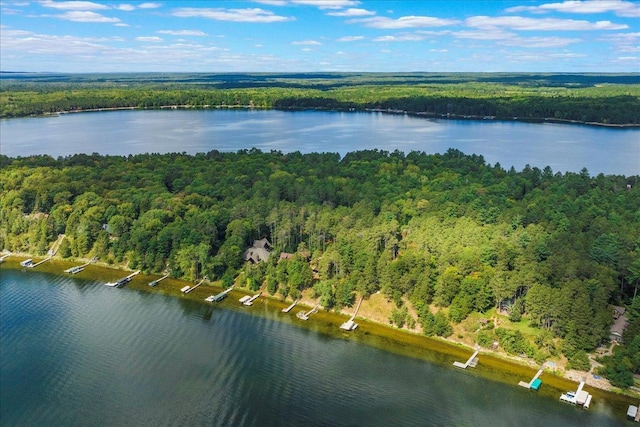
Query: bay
column 75, row 352
column 562, row 147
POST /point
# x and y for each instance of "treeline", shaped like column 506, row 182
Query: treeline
column 447, row 235
column 608, row 104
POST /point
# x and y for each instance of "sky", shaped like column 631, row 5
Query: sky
column 320, row 36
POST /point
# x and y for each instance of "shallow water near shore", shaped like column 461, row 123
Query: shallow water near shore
column 77, row 352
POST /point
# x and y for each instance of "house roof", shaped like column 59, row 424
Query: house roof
column 619, row 325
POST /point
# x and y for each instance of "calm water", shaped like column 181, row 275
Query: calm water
column 76, row 352
column 562, row 147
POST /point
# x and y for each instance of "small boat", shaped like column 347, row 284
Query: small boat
column 27, row 263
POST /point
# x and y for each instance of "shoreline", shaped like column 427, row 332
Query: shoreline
column 493, row 366
column 419, row 114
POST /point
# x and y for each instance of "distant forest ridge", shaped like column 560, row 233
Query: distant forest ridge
column 606, row 99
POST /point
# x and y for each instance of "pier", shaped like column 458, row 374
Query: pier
column 535, row 383
column 579, row 397
column 123, row 281
column 633, row 412
column 350, row 325
column 248, row 300
column 219, row 297
column 472, row 361
column 79, row 268
column 305, row 316
column 5, row 256
column 155, row 282
column 54, row 248
column 288, row 309
column 187, row 289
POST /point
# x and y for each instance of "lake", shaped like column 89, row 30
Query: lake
column 76, row 352
column 562, row 147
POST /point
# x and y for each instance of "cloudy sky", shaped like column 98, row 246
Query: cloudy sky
column 320, row 35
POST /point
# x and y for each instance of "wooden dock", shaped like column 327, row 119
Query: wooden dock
column 155, row 282
column 186, row 289
column 5, row 256
column 305, row 316
column 54, row 248
column 123, row 281
column 79, row 268
column 350, row 325
column 472, row 361
column 219, row 297
column 288, row 309
column 534, row 383
column 251, row 299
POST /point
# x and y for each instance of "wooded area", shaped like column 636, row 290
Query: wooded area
column 446, row 234
column 602, row 99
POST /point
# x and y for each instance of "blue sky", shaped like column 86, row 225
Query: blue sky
column 320, row 35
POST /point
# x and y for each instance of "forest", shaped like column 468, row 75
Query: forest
column 447, row 235
column 589, row 98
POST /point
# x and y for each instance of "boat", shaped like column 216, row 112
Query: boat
column 569, row 397
column 27, row 263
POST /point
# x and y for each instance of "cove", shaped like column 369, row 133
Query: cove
column 562, row 147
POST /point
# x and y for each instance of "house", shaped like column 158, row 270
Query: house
column 620, row 323
column 258, row 252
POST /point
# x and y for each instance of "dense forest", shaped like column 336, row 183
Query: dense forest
column 447, row 235
column 601, row 99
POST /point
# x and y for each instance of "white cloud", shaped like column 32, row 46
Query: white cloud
column 404, row 22
column 235, row 15
column 85, row 16
column 494, row 34
column 352, row 12
column 400, row 38
column 149, row 5
column 182, row 32
column 620, row 8
column 539, row 42
column 307, row 42
column 73, row 5
column 535, row 24
column 151, row 39
column 350, row 38
column 322, row 4
column 125, row 7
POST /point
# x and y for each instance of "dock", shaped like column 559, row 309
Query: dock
column 123, row 281
column 633, row 413
column 188, row 289
column 248, row 300
column 219, row 297
column 288, row 309
column 305, row 315
column 79, row 268
column 350, row 325
column 154, row 283
column 472, row 361
column 54, row 248
column 535, row 383
column 579, row 397
column 3, row 257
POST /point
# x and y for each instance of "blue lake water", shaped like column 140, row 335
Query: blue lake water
column 562, row 147
column 75, row 352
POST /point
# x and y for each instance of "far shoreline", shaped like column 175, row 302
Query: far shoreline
column 418, row 114
column 492, row 366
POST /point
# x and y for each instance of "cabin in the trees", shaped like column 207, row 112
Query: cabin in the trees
column 258, row 252
column 285, row 255
column 620, row 322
